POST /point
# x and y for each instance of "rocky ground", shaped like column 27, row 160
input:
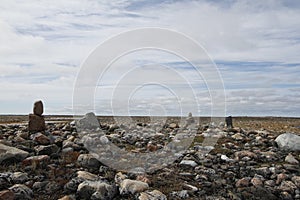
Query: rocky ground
column 247, row 161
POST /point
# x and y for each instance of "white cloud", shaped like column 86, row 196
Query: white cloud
column 43, row 44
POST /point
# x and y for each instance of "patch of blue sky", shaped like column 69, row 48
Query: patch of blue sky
column 87, row 27
column 137, row 5
column 67, row 64
column 34, row 29
column 24, row 64
column 32, row 79
column 286, row 85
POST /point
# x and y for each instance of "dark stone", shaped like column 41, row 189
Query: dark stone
column 38, row 108
column 228, row 121
column 36, row 123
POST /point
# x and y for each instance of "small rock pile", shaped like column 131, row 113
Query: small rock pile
column 36, row 120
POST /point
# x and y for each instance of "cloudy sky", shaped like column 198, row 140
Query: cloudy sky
column 255, row 45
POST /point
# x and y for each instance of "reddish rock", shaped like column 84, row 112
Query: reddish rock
column 287, row 186
column 67, row 197
column 240, row 154
column 256, row 182
column 36, row 160
column 281, row 177
column 38, row 108
column 36, row 123
column 7, row 195
column 244, row 182
column 296, row 180
column 151, row 147
column 41, row 138
column 143, row 178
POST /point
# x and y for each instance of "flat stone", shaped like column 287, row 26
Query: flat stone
column 132, row 186
column 8, row 154
column 188, row 163
column 288, row 141
column 36, row 123
column 87, row 176
column 38, row 108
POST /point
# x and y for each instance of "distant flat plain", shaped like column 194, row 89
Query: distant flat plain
column 274, row 124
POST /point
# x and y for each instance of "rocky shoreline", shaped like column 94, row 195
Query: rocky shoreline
column 245, row 163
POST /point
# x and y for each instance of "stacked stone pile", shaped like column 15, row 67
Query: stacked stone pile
column 36, row 120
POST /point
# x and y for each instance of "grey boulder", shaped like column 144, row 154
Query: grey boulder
column 288, row 141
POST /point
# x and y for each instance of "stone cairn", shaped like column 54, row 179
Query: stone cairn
column 228, row 121
column 36, row 120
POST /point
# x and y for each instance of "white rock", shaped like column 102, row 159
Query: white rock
column 132, row 186
column 95, row 190
column 225, row 158
column 291, row 159
column 89, row 121
column 153, row 195
column 189, row 163
column 288, row 141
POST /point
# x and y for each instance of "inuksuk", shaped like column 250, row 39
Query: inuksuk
column 36, row 120
column 229, row 122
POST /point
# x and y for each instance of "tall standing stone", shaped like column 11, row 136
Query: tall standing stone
column 36, row 120
column 229, row 122
column 38, row 108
